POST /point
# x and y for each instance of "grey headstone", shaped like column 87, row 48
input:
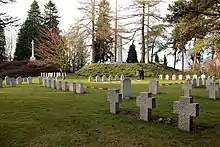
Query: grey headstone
column 53, row 83
column 40, row 80
column 161, row 77
column 80, row 88
column 12, row 82
column 72, row 86
column 49, row 82
column 174, row 77
column 112, row 92
column 64, row 85
column 115, row 100
column 44, row 82
column 180, row 77
column 122, row 77
column 25, row 79
column 19, row 80
column 104, row 78
column 59, row 85
column 194, row 83
column 110, row 78
column 97, row 79
column 30, row 80
column 146, row 104
column 199, row 82
column 7, row 80
column 154, row 86
column 90, row 79
column 186, row 109
column 213, row 88
column 116, row 78
column 187, row 88
column 167, row 77
column 126, row 88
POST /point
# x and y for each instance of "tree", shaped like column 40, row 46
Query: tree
column 103, row 36
column 2, row 44
column 52, row 48
column 132, row 54
column 157, row 60
column 29, row 31
column 165, row 61
column 51, row 18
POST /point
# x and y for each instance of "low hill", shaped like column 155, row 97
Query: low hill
column 128, row 70
column 25, row 68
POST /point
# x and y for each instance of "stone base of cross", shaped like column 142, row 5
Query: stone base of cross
column 32, row 58
column 186, row 110
column 146, row 103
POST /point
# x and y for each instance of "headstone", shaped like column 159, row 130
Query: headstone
column 186, row 109
column 53, row 83
column 1, row 83
column 80, row 88
column 110, row 78
column 126, row 88
column 104, row 78
column 49, row 82
column 203, row 77
column 212, row 90
column 199, row 82
column 187, row 88
column 208, row 81
column 19, row 80
column 116, row 78
column 72, row 86
column 146, row 104
column 111, row 93
column 213, row 78
column 188, row 77
column 195, row 77
column 194, row 83
column 59, row 85
column 44, row 82
column 180, row 77
column 40, row 80
column 115, row 100
column 30, row 80
column 154, row 86
column 64, row 85
column 97, row 79
column 122, row 77
column 57, row 78
column 12, row 82
column 161, row 77
column 25, row 79
column 90, row 79
column 173, row 77
column 7, row 80
column 167, row 77
column 142, row 97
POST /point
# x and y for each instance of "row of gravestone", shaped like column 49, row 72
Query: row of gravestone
column 104, row 78
column 52, row 74
column 210, row 84
column 180, row 77
column 185, row 108
column 12, row 82
column 56, row 83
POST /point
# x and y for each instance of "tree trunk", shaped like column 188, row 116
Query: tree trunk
column 116, row 29
column 93, row 31
column 194, row 62
column 148, row 26
column 183, row 60
column 142, row 35
column 174, row 66
column 152, row 50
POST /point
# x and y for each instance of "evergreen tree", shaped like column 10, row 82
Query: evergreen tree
column 165, row 60
column 51, row 18
column 2, row 44
column 103, row 39
column 157, row 60
column 132, row 54
column 29, row 31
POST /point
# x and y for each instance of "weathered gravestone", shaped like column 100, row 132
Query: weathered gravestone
column 208, row 81
column 25, row 79
column 49, row 82
column 161, row 77
column 104, row 78
column 194, row 83
column 44, row 82
column 213, row 88
column 64, row 85
column 146, row 103
column 173, row 77
column 115, row 100
column 199, row 82
column 186, row 110
column 116, row 78
column 90, row 79
column 110, row 78
column 187, row 88
column 72, row 86
column 80, row 88
column 122, row 77
column 12, row 82
column 111, row 92
column 1, row 83
column 40, row 80
column 7, row 80
column 203, row 79
column 180, row 77
column 154, row 86
column 167, row 77
column 19, row 80
column 53, row 83
column 30, row 80
column 59, row 85
column 126, row 88
column 97, row 79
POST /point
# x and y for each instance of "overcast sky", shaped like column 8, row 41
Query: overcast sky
column 67, row 11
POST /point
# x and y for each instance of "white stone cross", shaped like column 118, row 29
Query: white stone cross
column 212, row 90
column 186, row 109
column 187, row 88
column 115, row 100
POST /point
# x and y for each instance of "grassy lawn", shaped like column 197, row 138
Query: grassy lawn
column 39, row 117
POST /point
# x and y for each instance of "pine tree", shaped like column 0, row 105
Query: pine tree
column 103, row 36
column 132, row 54
column 2, row 44
column 51, row 18
column 165, row 60
column 29, row 31
column 157, row 60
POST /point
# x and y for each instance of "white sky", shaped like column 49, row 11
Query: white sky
column 68, row 12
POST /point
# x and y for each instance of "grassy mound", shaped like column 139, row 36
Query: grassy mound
column 129, row 70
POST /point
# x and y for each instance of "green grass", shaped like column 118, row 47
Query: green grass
column 39, row 117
